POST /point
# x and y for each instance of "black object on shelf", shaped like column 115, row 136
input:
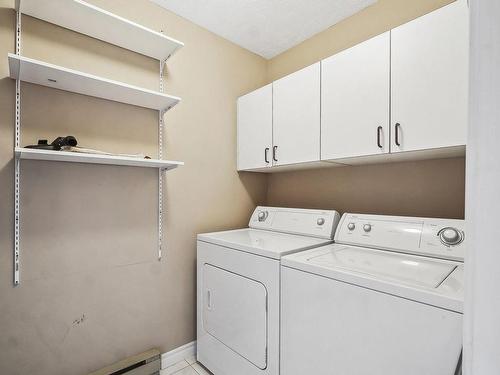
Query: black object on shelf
column 56, row 144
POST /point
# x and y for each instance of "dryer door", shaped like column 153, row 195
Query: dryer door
column 235, row 313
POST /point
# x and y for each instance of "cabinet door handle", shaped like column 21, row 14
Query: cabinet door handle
column 396, row 134
column 379, row 135
column 266, row 151
column 274, row 153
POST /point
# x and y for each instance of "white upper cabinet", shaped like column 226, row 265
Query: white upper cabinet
column 429, row 80
column 255, row 131
column 355, row 100
column 296, row 117
column 402, row 91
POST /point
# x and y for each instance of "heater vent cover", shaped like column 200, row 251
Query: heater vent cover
column 147, row 363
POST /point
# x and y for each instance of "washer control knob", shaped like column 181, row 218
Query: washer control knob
column 320, row 221
column 367, row 227
column 351, row 226
column 262, row 215
column 450, row 236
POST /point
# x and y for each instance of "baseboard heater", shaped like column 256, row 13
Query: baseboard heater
column 147, row 363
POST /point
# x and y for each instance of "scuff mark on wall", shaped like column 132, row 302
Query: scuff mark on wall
column 79, row 320
column 76, row 322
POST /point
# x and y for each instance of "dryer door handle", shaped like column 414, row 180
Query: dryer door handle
column 210, row 302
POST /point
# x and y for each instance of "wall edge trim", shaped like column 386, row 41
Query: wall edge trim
column 178, row 354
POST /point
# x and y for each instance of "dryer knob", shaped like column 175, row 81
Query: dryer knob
column 262, row 215
column 367, row 227
column 351, row 226
column 320, row 221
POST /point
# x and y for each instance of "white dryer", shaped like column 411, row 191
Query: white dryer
column 385, row 299
column 238, row 287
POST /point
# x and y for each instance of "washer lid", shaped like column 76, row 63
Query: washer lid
column 263, row 242
column 401, row 268
column 432, row 281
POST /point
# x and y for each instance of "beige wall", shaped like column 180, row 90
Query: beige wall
column 425, row 188
column 433, row 188
column 92, row 290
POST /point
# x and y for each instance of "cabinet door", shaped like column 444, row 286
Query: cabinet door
column 296, row 117
column 429, row 80
column 355, row 100
column 255, row 128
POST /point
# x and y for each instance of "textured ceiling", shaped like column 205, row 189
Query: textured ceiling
column 266, row 27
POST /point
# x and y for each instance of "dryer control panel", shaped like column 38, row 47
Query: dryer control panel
column 315, row 223
column 439, row 238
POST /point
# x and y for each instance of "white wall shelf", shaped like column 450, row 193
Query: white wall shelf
column 58, row 77
column 76, row 157
column 87, row 19
column 98, row 23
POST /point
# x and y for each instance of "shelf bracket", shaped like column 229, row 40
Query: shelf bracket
column 160, row 171
column 17, row 161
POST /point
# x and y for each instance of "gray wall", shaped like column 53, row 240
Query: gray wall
column 482, row 300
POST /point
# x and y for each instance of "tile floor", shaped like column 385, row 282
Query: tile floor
column 187, row 366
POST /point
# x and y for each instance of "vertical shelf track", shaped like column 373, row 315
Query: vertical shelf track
column 160, row 172
column 17, row 161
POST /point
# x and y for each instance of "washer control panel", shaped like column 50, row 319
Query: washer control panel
column 440, row 238
column 315, row 223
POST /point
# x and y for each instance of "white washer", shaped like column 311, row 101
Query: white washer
column 385, row 299
column 238, row 287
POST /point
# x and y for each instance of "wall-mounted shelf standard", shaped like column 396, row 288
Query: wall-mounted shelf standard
column 98, row 23
column 58, row 77
column 76, row 157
